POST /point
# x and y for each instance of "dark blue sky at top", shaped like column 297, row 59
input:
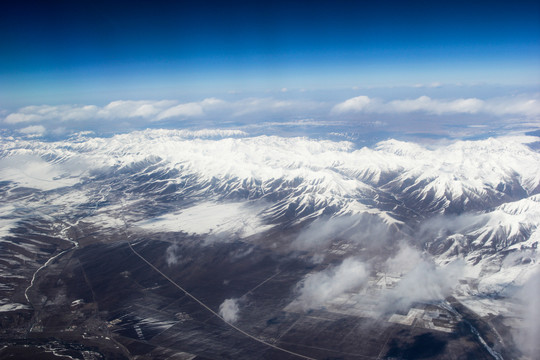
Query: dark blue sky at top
column 78, row 45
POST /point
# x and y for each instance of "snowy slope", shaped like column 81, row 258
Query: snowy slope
column 476, row 201
column 297, row 179
column 510, row 226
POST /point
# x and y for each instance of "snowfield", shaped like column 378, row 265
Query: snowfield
column 210, row 218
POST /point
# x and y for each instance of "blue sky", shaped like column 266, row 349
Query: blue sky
column 97, row 50
column 288, row 67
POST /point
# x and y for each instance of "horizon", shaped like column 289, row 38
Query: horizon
column 454, row 71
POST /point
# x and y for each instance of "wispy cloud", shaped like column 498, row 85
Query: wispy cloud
column 132, row 109
column 317, row 288
column 364, row 229
column 150, row 111
column 434, row 84
column 497, row 106
column 191, row 109
column 421, row 280
column 528, row 295
column 271, row 112
column 33, row 130
column 114, row 110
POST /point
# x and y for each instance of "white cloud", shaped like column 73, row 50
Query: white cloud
column 528, row 295
column 318, row 288
column 229, row 310
column 425, row 103
column 37, row 130
column 115, row 110
column 191, row 109
column 406, row 259
column 516, row 105
column 131, row 109
column 434, row 84
column 356, row 104
column 130, row 114
column 56, row 113
column 421, row 279
column 182, row 110
column 64, row 113
column 426, row 282
column 262, row 111
column 496, row 106
column 17, row 118
column 366, row 229
column 208, row 102
column 172, row 254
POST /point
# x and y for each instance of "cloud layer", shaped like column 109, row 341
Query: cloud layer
column 256, row 113
column 153, row 110
column 527, row 336
column 499, row 106
column 420, row 280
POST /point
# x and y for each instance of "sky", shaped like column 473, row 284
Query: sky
column 62, row 52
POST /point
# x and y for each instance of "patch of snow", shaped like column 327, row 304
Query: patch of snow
column 240, row 218
column 5, row 307
column 5, row 227
column 33, row 172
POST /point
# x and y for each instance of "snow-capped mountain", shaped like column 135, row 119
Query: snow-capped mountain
column 510, row 226
column 468, row 175
column 467, row 202
column 295, row 178
column 475, row 200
